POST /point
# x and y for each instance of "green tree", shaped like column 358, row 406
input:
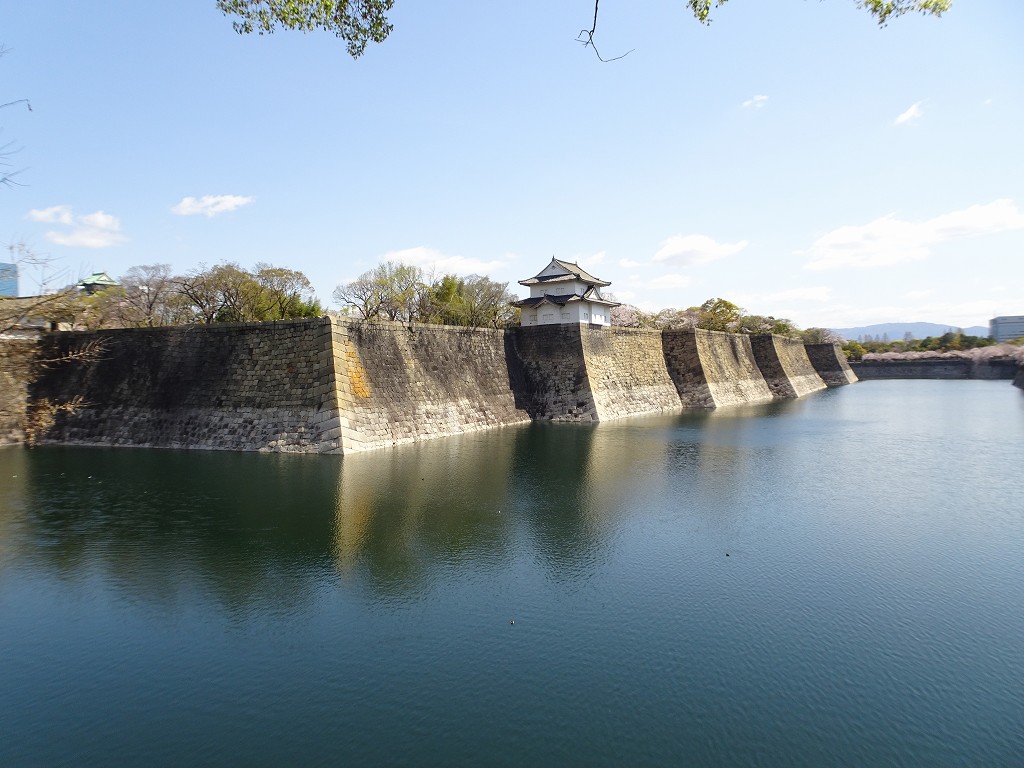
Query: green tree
column 718, row 315
column 486, row 302
column 357, row 22
column 401, row 292
column 391, row 290
column 755, row 324
column 226, row 293
column 821, row 336
column 360, row 22
column 285, row 293
column 883, row 10
column 854, row 350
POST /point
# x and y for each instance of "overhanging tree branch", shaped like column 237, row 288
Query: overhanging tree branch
column 586, row 36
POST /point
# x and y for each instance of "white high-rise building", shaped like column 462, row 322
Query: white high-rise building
column 1006, row 327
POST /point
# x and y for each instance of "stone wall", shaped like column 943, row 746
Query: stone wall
column 995, row 369
column 830, row 363
column 785, row 366
column 712, row 369
column 549, row 373
column 15, row 371
column 338, row 385
column 1018, row 380
column 627, row 371
column 399, row 384
column 265, row 386
column 936, row 368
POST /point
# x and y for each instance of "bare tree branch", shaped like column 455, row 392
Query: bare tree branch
column 586, row 36
column 92, row 351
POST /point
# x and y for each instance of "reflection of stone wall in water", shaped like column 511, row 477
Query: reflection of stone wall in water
column 338, row 385
column 437, row 513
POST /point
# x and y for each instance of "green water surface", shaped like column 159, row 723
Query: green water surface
column 837, row 580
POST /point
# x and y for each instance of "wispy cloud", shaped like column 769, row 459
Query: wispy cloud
column 916, row 295
column 692, row 250
column 433, row 259
column 210, row 205
column 57, row 214
column 914, row 112
column 628, row 263
column 888, row 240
column 90, row 230
column 670, row 281
column 756, row 102
column 814, row 293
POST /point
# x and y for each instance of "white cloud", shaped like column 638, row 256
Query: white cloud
column 100, row 220
column 816, row 293
column 628, row 263
column 57, row 214
column 915, row 295
column 91, row 230
column 210, row 205
column 888, row 240
column 914, row 112
column 670, row 281
column 594, row 258
column 756, row 102
column 432, row 259
column 691, row 250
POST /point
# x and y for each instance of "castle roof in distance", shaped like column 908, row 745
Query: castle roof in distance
column 569, row 271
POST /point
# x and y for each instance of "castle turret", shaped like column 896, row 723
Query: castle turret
column 564, row 293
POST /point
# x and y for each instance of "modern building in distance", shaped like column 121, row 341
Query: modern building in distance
column 563, row 293
column 1006, row 327
column 8, row 280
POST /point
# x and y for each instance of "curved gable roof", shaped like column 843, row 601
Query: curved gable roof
column 569, row 271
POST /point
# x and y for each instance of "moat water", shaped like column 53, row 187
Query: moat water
column 837, row 580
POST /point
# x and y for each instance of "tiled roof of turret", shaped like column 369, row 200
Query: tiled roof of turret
column 98, row 278
column 575, row 272
column 561, row 299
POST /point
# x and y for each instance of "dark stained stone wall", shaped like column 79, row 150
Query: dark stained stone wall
column 830, row 363
column 548, row 365
column 936, row 368
column 262, row 387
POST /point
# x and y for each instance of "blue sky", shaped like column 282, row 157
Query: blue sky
column 793, row 157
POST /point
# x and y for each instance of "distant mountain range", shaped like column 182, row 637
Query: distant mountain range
column 896, row 331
